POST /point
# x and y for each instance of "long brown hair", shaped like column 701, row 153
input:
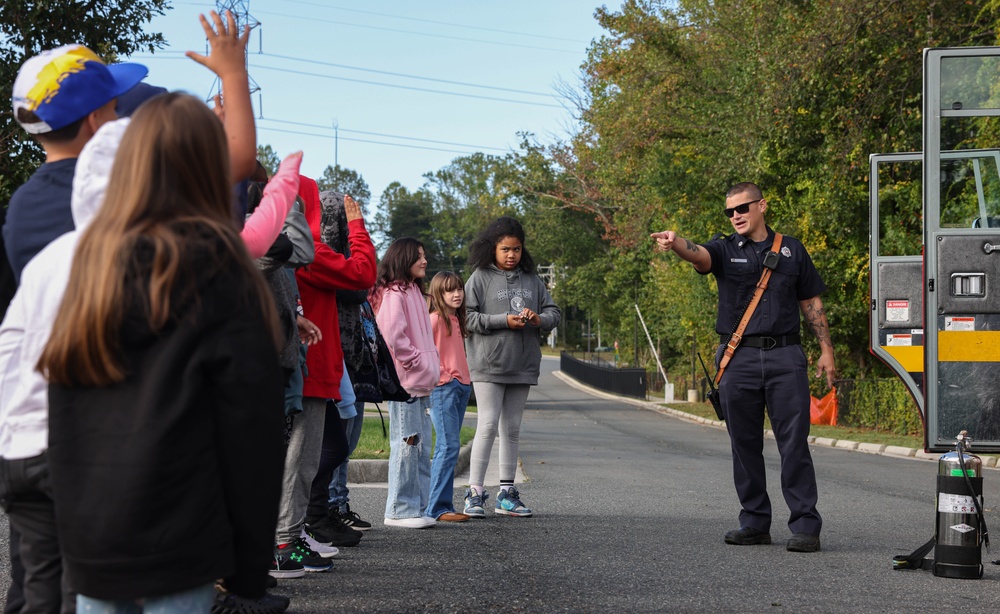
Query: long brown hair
column 169, row 188
column 394, row 269
column 447, row 281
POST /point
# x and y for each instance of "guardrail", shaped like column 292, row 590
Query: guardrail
column 628, row 382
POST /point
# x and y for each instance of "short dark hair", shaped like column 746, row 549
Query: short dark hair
column 62, row 135
column 746, row 187
column 482, row 252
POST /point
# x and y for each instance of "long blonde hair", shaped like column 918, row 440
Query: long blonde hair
column 168, row 192
column 446, row 281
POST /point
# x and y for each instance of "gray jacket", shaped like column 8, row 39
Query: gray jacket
column 497, row 353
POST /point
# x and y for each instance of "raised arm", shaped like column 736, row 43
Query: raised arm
column 812, row 309
column 687, row 249
column 227, row 59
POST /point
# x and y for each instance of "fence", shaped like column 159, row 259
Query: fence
column 601, row 374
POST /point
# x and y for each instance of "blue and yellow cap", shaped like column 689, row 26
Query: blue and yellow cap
column 63, row 85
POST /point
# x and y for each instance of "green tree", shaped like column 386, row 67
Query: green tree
column 269, row 158
column 683, row 98
column 111, row 29
column 408, row 214
column 346, row 181
column 468, row 194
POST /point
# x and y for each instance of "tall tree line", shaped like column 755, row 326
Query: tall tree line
column 683, row 98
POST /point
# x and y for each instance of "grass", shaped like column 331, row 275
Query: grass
column 851, row 433
column 373, row 446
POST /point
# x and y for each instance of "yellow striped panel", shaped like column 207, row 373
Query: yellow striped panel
column 968, row 346
column 910, row 357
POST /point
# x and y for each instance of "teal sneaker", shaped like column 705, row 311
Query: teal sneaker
column 509, row 503
column 474, row 503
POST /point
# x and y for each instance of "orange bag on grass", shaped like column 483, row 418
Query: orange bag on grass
column 824, row 411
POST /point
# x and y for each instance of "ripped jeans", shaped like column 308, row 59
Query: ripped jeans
column 409, row 464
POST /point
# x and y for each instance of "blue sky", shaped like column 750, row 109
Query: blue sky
column 451, row 78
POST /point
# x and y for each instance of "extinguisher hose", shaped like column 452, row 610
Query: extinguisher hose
column 985, row 532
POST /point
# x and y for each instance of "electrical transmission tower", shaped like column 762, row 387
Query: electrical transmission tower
column 241, row 12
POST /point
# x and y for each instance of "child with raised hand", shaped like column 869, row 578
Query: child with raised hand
column 164, row 379
column 451, row 395
column 508, row 307
column 401, row 314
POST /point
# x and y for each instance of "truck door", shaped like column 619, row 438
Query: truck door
column 896, row 246
column 961, row 274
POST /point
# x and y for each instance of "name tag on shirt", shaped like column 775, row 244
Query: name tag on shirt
column 738, row 260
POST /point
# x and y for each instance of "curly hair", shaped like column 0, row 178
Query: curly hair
column 482, row 252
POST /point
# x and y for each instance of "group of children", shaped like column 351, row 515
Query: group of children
column 145, row 464
column 486, row 333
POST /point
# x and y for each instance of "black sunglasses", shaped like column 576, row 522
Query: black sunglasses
column 741, row 209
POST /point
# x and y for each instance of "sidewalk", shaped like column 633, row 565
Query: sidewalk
column 989, row 462
column 376, row 472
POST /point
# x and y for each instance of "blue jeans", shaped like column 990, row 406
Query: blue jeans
column 339, row 493
column 409, row 463
column 448, row 403
column 193, row 601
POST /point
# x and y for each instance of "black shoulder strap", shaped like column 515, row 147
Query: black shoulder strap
column 917, row 559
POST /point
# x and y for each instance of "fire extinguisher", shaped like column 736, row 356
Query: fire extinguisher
column 960, row 529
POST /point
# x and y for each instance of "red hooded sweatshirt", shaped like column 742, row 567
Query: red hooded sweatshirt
column 318, row 283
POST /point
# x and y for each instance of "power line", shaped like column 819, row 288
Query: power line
column 408, row 87
column 398, row 31
column 326, row 136
column 408, row 76
column 443, row 23
column 381, row 72
column 390, row 136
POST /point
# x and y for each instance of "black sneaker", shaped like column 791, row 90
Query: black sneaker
column 803, row 542
column 228, row 603
column 352, row 519
column 332, row 531
column 748, row 536
column 287, row 563
column 311, row 560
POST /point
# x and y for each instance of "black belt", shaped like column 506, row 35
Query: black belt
column 764, row 342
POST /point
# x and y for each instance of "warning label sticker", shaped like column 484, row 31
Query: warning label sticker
column 959, row 323
column 897, row 311
column 956, row 504
column 899, row 339
column 962, row 528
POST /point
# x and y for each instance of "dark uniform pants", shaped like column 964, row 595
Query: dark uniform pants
column 26, row 496
column 777, row 380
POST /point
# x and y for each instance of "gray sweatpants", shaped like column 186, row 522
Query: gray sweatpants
column 500, row 408
column 301, row 465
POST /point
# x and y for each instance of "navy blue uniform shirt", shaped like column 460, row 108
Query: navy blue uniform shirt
column 737, row 263
column 39, row 212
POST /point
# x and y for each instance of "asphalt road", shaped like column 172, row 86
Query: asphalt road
column 631, row 507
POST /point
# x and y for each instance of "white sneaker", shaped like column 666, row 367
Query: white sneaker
column 324, row 550
column 423, row 522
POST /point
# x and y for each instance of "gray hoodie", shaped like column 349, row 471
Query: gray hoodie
column 497, row 353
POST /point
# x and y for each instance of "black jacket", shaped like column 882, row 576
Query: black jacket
column 172, row 478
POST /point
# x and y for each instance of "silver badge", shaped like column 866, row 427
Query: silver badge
column 787, row 253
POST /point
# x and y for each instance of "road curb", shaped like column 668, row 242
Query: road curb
column 989, row 462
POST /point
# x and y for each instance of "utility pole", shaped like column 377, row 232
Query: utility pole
column 547, row 273
column 336, row 142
